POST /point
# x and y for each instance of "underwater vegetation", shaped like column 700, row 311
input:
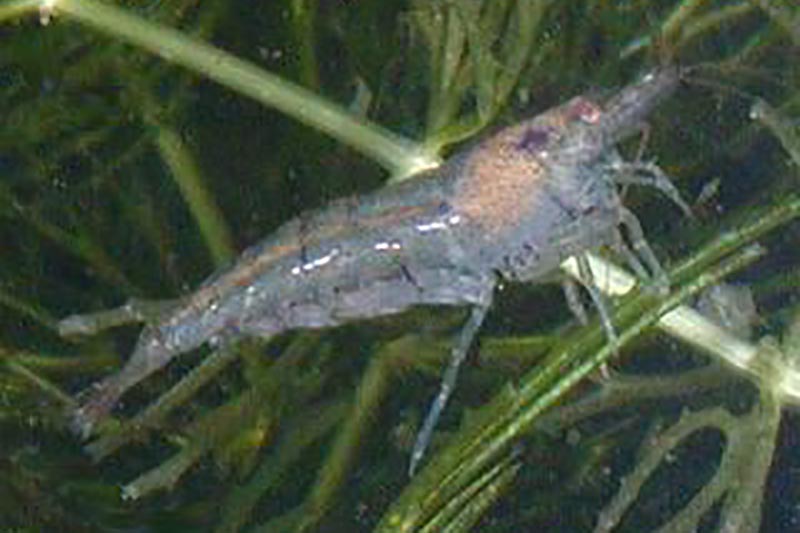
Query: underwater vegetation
column 137, row 158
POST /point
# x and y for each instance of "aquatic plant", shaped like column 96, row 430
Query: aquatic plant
column 124, row 176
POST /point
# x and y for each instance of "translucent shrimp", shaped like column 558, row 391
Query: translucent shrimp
column 511, row 207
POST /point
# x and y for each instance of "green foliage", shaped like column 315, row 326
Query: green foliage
column 122, row 175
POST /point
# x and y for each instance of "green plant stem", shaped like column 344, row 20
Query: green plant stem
column 677, row 19
column 187, row 176
column 53, row 365
column 155, row 413
column 683, row 322
column 303, row 432
column 304, row 15
column 468, row 507
column 624, row 390
column 18, row 8
column 165, row 476
column 398, row 155
column 338, row 465
column 747, row 483
column 689, row 325
column 81, row 245
column 783, row 17
column 736, row 487
column 700, row 25
column 39, row 382
column 28, row 309
column 680, row 27
column 513, row 412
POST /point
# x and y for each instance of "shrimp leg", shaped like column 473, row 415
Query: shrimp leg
column 457, row 356
column 132, row 312
column 648, row 174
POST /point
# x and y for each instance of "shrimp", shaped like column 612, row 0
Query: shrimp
column 511, row 207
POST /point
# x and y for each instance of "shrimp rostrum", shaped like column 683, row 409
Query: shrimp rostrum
column 511, row 207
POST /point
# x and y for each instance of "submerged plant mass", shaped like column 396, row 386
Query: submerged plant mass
column 144, row 144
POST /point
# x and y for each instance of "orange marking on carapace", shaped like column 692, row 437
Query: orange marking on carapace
column 503, row 176
column 491, row 196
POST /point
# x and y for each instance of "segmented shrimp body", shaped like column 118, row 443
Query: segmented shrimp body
column 512, row 206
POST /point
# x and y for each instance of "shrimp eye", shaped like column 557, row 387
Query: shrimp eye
column 585, row 111
column 534, row 139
